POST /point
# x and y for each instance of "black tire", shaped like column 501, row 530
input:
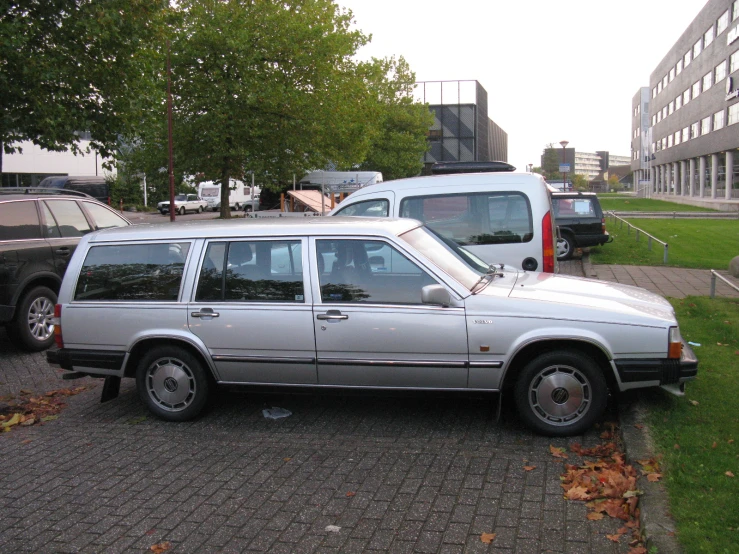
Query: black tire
column 172, row 383
column 201, row 209
column 182, row 210
column 247, row 208
column 561, row 393
column 32, row 328
column 565, row 247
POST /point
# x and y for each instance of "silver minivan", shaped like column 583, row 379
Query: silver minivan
column 379, row 303
column 501, row 216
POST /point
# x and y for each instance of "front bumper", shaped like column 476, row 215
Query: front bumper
column 663, row 371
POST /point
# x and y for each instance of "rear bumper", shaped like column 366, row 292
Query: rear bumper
column 592, row 240
column 663, row 371
column 71, row 359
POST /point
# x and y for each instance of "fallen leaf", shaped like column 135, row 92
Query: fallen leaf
column 350, row 494
column 654, row 477
column 161, row 547
column 487, row 538
column 693, row 402
column 529, row 468
column 714, row 445
column 639, row 549
column 676, row 447
column 151, row 532
column 577, row 493
column 729, row 474
column 614, row 538
column 286, row 459
column 639, row 426
column 731, row 441
column 594, row 516
column 557, row 452
column 333, row 528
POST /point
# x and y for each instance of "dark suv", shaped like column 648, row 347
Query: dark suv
column 580, row 220
column 39, row 231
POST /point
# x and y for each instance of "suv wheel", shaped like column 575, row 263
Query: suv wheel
column 172, row 383
column 561, row 393
column 32, row 326
column 247, row 208
column 182, row 210
column 565, row 247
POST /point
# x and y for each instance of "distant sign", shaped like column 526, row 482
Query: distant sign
column 564, row 168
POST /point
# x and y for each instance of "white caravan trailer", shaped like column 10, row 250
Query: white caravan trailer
column 340, row 181
column 239, row 198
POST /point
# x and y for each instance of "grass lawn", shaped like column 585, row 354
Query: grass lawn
column 702, row 244
column 698, row 435
column 633, row 204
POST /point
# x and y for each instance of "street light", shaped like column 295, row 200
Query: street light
column 530, row 167
column 564, row 144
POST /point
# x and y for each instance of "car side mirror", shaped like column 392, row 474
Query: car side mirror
column 437, row 295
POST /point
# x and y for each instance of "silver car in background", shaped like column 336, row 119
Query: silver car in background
column 352, row 302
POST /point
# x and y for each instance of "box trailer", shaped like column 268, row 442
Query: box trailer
column 240, row 197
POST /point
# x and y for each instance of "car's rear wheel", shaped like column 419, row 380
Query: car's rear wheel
column 172, row 383
column 565, row 247
column 561, row 393
column 247, row 208
column 200, row 209
column 33, row 327
column 182, row 210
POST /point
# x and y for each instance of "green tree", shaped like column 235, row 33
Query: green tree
column 68, row 66
column 268, row 87
column 399, row 139
column 580, row 182
column 614, row 184
column 550, row 160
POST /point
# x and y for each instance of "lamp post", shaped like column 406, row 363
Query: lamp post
column 564, row 144
column 530, row 167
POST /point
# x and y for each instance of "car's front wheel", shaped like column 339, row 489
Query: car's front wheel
column 33, row 327
column 565, row 247
column 182, row 210
column 247, row 208
column 561, row 393
column 201, row 209
column 172, row 383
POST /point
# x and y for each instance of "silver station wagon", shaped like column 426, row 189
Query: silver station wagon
column 352, row 302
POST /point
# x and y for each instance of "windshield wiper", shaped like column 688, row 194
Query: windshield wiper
column 490, row 274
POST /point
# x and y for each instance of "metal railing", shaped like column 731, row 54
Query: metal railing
column 640, row 232
column 714, row 276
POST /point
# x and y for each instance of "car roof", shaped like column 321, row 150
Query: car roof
column 258, row 227
column 495, row 178
column 573, row 194
column 33, row 193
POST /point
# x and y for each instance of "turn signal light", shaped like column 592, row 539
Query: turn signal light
column 675, row 346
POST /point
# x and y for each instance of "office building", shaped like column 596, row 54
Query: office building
column 591, row 165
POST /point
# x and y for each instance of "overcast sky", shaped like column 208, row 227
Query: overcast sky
column 564, row 70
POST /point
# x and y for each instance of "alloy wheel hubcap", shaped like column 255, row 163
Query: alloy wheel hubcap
column 40, row 319
column 171, row 384
column 560, row 395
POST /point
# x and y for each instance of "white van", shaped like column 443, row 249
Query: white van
column 501, row 216
column 239, row 197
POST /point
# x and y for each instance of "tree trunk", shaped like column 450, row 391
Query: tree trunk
column 225, row 192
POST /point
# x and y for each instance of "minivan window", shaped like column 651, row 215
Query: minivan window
column 69, row 218
column 367, row 208
column 476, row 218
column 135, row 272
column 19, row 221
column 252, row 271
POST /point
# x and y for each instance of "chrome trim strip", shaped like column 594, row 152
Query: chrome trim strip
column 263, row 359
column 392, row 363
column 359, row 387
column 483, row 365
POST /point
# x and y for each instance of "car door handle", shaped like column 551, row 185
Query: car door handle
column 332, row 315
column 64, row 251
column 205, row 312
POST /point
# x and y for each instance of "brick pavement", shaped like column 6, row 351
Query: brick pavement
column 396, row 472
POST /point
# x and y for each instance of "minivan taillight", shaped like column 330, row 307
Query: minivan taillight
column 547, row 242
column 58, row 326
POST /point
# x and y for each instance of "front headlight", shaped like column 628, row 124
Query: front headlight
column 675, row 343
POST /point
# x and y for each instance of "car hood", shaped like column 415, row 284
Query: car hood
column 569, row 297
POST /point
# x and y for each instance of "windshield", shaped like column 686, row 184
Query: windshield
column 181, row 197
column 451, row 258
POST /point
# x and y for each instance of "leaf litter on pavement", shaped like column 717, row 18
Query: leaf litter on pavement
column 35, row 409
column 607, row 485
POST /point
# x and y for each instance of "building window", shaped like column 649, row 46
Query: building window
column 686, row 97
column 735, row 10
column 679, row 67
column 720, row 72
column 664, row 112
column 664, row 81
column 671, row 107
column 669, row 141
column 707, row 81
column 654, row 120
column 734, row 62
column 687, row 58
column 733, row 114
column 706, row 125
column 659, row 87
column 672, row 74
column 698, row 48
column 695, row 130
column 696, row 89
column 654, row 92
column 708, row 37
column 677, row 138
column 722, row 23
column 659, row 116
column 678, row 102
column 718, row 120
column 686, row 134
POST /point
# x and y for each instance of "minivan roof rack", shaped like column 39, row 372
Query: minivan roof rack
column 38, row 190
column 446, row 168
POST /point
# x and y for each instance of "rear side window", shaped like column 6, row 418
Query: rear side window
column 69, row 218
column 19, row 221
column 471, row 219
column 368, row 208
column 135, row 272
column 103, row 217
column 252, row 271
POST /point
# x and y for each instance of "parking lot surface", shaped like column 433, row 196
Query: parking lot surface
column 393, row 472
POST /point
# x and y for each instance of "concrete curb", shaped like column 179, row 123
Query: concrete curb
column 655, row 520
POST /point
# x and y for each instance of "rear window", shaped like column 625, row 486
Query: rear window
column 574, row 207
column 367, row 208
column 134, row 272
column 472, row 219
